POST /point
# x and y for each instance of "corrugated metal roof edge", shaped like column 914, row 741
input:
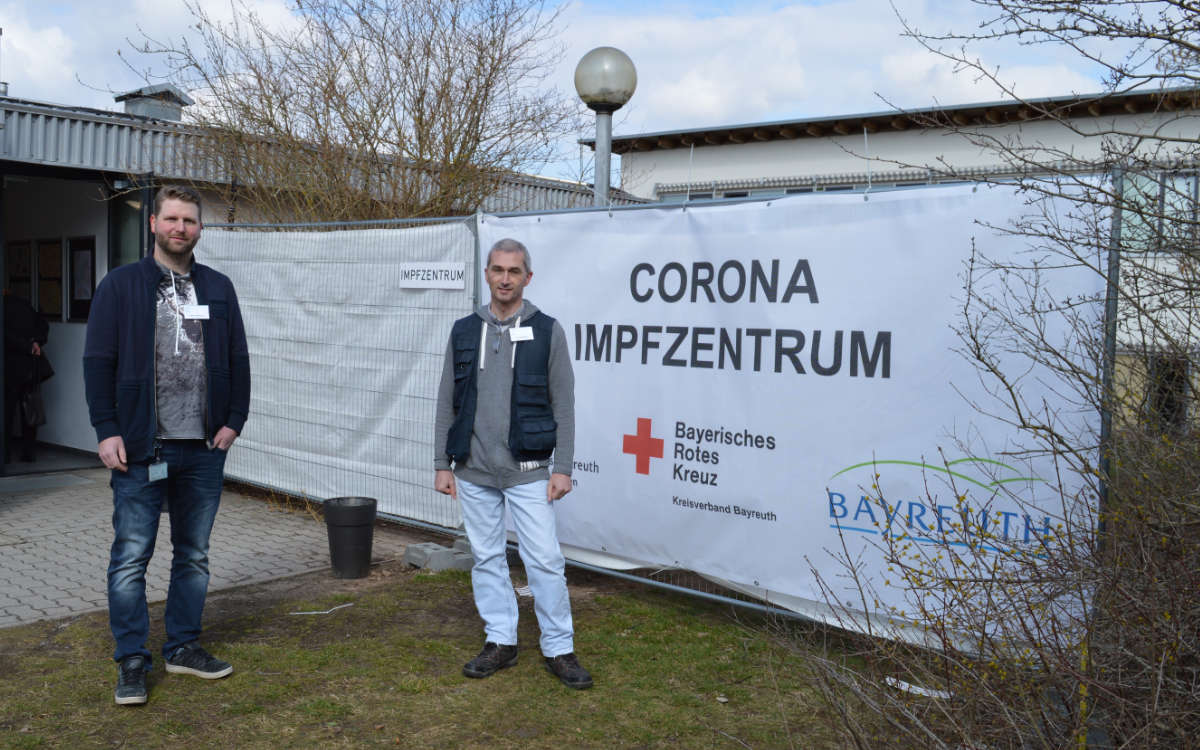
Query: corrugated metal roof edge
column 99, row 115
column 138, row 122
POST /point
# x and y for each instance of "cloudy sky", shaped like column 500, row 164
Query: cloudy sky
column 699, row 63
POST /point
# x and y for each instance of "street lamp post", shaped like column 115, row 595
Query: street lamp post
column 604, row 79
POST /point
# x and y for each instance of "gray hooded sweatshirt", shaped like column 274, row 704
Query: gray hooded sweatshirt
column 490, row 462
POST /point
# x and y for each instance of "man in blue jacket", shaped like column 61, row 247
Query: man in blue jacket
column 167, row 376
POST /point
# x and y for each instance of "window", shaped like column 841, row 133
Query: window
column 81, row 255
column 35, row 271
column 1179, row 213
column 127, row 220
column 49, row 273
column 1167, row 392
column 18, row 270
column 1159, row 212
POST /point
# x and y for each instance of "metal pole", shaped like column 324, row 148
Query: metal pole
column 146, row 237
column 7, row 418
column 477, row 253
column 1108, row 400
column 603, row 156
column 1093, row 731
column 676, row 588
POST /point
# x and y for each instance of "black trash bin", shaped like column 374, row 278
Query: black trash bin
column 351, row 524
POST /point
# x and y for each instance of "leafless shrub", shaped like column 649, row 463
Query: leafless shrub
column 366, row 109
column 1091, row 637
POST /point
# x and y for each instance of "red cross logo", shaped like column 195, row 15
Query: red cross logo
column 643, row 446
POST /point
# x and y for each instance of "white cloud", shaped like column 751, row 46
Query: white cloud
column 1054, row 79
column 756, row 62
column 34, row 54
column 76, row 52
column 921, row 70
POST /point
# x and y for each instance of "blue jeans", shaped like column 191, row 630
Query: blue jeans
column 192, row 492
column 537, row 537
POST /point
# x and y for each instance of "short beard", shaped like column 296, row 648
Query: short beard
column 163, row 242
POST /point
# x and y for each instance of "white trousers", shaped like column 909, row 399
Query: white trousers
column 533, row 517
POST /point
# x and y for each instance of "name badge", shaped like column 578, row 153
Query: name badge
column 521, row 334
column 195, row 312
column 158, row 471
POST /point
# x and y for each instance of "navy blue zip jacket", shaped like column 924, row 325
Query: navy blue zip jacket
column 118, row 355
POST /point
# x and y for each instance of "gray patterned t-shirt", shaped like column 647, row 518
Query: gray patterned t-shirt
column 180, row 377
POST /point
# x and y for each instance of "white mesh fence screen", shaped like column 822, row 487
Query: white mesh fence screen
column 345, row 357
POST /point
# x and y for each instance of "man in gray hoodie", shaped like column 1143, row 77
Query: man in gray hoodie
column 506, row 424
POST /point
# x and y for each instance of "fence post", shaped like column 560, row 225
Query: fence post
column 1110, row 347
column 477, row 295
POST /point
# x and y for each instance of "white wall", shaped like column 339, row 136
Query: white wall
column 39, row 208
column 804, row 157
column 67, row 420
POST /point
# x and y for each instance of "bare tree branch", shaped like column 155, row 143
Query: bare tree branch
column 363, row 109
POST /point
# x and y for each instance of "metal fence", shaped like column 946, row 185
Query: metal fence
column 345, row 357
column 346, row 362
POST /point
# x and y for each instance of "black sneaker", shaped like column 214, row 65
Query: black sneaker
column 191, row 659
column 131, row 681
column 566, row 668
column 491, row 659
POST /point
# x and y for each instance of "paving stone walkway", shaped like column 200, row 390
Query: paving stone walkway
column 56, row 529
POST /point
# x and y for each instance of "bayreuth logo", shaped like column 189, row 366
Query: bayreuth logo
column 643, row 446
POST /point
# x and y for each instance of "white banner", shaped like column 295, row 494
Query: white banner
column 749, row 376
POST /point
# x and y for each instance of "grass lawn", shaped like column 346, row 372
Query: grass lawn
column 670, row 671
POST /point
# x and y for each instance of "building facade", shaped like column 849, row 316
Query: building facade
column 895, row 148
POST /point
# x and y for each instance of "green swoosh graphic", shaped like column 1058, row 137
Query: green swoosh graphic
column 977, row 460
column 945, row 470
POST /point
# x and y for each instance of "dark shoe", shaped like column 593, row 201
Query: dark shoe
column 191, row 659
column 566, row 668
column 131, row 681
column 491, row 659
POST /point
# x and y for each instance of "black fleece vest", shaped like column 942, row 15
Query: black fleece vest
column 532, row 431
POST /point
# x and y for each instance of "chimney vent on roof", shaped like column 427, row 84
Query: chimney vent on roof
column 161, row 102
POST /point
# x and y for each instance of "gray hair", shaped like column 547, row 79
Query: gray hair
column 509, row 245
